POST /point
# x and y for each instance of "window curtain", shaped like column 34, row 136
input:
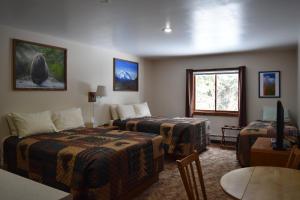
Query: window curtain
column 189, row 93
column 242, row 97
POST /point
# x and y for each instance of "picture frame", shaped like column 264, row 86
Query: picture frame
column 38, row 67
column 269, row 84
column 125, row 75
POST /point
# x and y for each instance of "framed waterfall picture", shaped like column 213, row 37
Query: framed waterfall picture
column 125, row 75
column 38, row 66
column 269, row 84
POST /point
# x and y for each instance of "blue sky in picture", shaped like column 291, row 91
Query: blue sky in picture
column 270, row 77
column 122, row 66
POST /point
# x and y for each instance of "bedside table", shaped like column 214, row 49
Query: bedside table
column 262, row 154
column 108, row 127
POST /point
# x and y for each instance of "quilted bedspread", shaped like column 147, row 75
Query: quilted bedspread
column 180, row 135
column 90, row 163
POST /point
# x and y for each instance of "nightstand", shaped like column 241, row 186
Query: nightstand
column 89, row 125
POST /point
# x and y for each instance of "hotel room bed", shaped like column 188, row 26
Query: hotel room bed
column 90, row 163
column 250, row 133
column 180, row 135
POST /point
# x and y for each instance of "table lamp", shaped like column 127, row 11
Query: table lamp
column 92, row 99
column 101, row 92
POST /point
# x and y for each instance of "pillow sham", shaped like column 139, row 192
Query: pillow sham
column 142, row 110
column 33, row 123
column 286, row 116
column 114, row 111
column 11, row 125
column 68, row 119
column 126, row 111
column 270, row 114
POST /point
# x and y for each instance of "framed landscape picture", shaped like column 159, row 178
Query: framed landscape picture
column 38, row 66
column 126, row 75
column 269, row 84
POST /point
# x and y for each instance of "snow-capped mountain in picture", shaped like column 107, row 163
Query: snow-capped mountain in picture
column 124, row 76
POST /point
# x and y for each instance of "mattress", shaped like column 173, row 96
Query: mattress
column 91, row 163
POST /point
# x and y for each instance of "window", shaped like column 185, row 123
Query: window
column 216, row 92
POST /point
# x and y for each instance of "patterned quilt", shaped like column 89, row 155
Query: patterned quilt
column 89, row 163
column 256, row 129
column 180, row 135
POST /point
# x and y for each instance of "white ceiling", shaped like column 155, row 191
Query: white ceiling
column 134, row 26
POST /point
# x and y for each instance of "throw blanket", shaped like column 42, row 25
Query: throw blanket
column 90, row 163
column 256, row 129
column 180, row 135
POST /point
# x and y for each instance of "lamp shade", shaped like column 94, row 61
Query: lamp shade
column 101, row 91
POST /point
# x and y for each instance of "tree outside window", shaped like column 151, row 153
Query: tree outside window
column 216, row 92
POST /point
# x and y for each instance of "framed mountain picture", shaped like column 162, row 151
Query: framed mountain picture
column 38, row 66
column 125, row 75
column 269, row 84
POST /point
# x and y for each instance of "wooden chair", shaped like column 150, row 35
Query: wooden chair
column 294, row 158
column 187, row 173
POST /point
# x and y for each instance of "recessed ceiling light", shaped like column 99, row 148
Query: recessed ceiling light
column 167, row 29
column 104, row 1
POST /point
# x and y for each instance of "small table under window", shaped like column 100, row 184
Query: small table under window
column 224, row 136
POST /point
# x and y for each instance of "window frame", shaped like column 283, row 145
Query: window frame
column 214, row 112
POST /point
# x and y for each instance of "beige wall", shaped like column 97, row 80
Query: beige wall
column 168, row 82
column 162, row 81
column 87, row 67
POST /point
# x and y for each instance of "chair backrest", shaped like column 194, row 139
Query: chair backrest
column 186, row 169
column 294, row 158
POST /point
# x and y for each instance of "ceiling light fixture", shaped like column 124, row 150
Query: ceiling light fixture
column 167, row 29
column 104, row 1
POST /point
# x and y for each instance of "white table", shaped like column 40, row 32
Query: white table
column 14, row 187
column 265, row 183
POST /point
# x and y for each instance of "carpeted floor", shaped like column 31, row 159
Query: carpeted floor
column 215, row 163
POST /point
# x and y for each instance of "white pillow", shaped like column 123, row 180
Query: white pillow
column 33, row 123
column 287, row 116
column 270, row 114
column 11, row 125
column 126, row 111
column 68, row 119
column 142, row 110
column 114, row 111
